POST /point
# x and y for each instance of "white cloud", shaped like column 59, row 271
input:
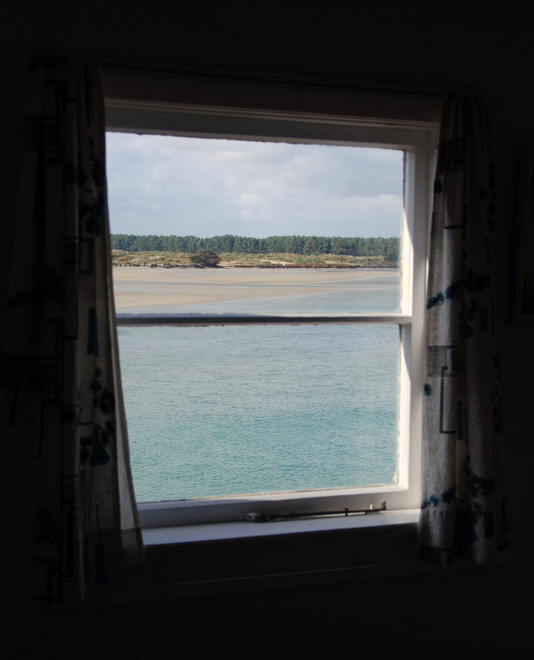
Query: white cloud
column 182, row 185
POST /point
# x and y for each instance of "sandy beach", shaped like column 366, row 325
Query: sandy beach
column 157, row 287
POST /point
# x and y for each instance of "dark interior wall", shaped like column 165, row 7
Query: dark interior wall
column 480, row 47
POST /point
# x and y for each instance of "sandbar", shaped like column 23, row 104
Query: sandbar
column 165, row 287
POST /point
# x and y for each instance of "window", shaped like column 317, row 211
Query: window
column 239, row 110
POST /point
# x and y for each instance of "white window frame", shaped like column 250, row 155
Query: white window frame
column 200, row 106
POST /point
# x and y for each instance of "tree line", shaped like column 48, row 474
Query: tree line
column 387, row 247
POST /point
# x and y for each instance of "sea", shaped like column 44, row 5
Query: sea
column 233, row 409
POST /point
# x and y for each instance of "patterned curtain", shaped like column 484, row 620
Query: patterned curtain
column 60, row 386
column 464, row 508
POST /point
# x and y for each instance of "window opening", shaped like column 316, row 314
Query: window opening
column 311, row 232
column 164, row 104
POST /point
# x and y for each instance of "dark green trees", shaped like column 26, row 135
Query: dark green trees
column 307, row 245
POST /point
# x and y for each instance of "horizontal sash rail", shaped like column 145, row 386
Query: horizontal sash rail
column 247, row 319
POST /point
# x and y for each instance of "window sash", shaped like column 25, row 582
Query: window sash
column 194, row 320
column 187, row 105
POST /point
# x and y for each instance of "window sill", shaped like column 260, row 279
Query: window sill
column 238, row 557
column 250, row 530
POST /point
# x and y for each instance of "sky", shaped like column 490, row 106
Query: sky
column 206, row 187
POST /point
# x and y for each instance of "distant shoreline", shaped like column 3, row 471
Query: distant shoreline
column 260, row 266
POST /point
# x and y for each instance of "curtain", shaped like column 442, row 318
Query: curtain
column 61, row 396
column 464, row 507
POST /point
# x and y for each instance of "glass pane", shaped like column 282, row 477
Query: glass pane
column 235, row 410
column 295, row 228
column 239, row 227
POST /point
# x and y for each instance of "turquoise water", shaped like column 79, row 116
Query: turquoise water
column 224, row 410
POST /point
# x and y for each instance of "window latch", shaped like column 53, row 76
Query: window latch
column 294, row 515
